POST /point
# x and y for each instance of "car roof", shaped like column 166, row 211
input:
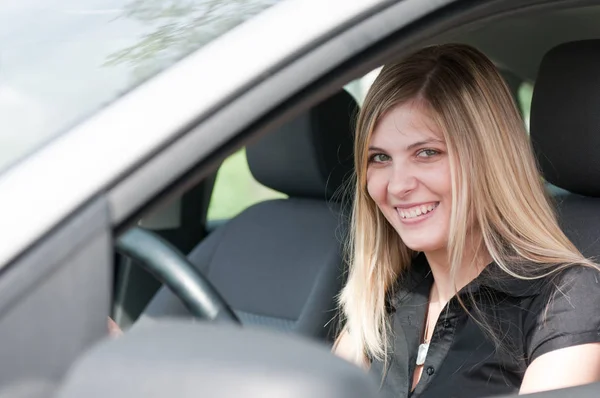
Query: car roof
column 528, row 35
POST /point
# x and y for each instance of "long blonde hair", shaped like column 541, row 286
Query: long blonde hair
column 495, row 181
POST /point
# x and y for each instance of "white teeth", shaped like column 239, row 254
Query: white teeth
column 417, row 211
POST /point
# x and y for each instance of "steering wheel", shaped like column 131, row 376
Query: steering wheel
column 173, row 269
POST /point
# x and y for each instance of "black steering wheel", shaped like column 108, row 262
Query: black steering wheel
column 173, row 269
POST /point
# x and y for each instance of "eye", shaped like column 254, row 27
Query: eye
column 378, row 158
column 427, row 153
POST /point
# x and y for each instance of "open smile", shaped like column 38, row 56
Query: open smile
column 417, row 213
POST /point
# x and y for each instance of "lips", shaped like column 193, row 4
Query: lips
column 418, row 211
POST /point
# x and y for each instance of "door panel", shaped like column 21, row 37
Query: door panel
column 54, row 300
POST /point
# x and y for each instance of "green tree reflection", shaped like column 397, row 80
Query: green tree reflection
column 177, row 28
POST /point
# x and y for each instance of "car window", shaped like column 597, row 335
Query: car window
column 236, row 189
column 61, row 60
column 358, row 88
column 524, row 101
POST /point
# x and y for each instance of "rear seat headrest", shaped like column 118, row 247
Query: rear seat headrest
column 565, row 117
column 311, row 155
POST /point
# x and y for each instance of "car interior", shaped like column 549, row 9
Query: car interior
column 278, row 266
column 287, row 251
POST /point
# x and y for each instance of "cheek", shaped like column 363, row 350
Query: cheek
column 440, row 180
column 444, row 186
column 446, row 181
column 376, row 186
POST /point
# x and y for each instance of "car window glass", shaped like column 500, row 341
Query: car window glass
column 358, row 88
column 236, row 189
column 61, row 60
column 524, row 101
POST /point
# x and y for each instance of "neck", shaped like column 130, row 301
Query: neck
column 446, row 283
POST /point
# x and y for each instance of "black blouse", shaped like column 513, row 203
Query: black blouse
column 529, row 318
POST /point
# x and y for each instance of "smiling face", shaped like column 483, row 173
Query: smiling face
column 408, row 177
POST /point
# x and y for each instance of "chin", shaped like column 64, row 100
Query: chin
column 428, row 238
column 424, row 245
column 424, row 248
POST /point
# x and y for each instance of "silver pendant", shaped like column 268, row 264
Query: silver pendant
column 422, row 353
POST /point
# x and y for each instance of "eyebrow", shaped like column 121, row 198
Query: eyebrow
column 375, row 149
column 411, row 146
column 424, row 142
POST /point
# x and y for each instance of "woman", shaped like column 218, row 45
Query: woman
column 461, row 282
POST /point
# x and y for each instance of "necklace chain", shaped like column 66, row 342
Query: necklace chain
column 424, row 346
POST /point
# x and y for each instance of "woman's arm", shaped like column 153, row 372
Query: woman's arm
column 565, row 367
column 344, row 348
column 561, row 332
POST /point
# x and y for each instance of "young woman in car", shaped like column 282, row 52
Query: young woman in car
column 461, row 281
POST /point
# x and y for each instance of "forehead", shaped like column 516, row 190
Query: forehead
column 405, row 122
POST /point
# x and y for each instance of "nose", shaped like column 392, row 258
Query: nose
column 402, row 181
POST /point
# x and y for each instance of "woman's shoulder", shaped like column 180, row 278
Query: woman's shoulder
column 539, row 282
column 576, row 287
column 566, row 312
column 575, row 280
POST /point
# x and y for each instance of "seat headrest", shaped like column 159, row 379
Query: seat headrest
column 311, row 155
column 565, row 117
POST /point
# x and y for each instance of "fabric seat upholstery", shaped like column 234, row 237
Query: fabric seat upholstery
column 279, row 263
column 565, row 131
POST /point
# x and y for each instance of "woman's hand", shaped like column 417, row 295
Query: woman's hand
column 343, row 348
column 113, row 329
